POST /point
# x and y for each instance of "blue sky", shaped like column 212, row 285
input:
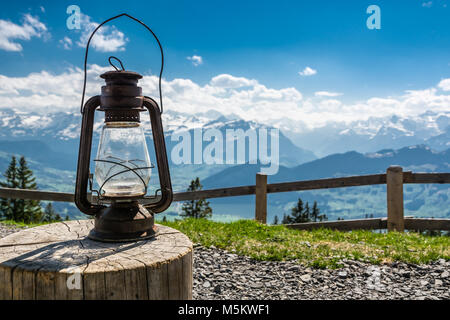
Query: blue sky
column 270, row 41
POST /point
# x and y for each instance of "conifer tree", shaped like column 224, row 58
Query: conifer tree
column 302, row 213
column 196, row 208
column 286, row 219
column 275, row 220
column 20, row 176
column 315, row 214
column 297, row 211
column 50, row 214
column 29, row 210
column 306, row 213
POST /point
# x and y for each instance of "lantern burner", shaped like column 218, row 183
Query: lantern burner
column 122, row 222
column 135, row 170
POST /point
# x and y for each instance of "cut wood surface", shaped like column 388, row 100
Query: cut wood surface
column 57, row 261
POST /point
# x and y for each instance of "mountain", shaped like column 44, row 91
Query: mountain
column 40, row 152
column 370, row 135
column 418, row 158
column 441, row 141
column 32, row 134
column 363, row 136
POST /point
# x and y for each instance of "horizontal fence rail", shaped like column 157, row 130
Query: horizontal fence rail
column 394, row 179
column 420, row 224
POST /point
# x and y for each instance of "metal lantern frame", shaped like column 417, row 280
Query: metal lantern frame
column 126, row 218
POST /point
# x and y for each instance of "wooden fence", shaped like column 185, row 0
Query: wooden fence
column 394, row 178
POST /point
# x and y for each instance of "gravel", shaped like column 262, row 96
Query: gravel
column 223, row 275
column 6, row 230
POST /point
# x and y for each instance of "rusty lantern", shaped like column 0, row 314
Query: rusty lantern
column 121, row 208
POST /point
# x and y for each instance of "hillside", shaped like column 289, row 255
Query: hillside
column 418, row 158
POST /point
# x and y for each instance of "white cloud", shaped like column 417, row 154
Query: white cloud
column 229, row 81
column 11, row 32
column 427, row 4
column 196, row 60
column 444, row 84
column 106, row 39
column 46, row 93
column 66, row 42
column 327, row 94
column 307, row 72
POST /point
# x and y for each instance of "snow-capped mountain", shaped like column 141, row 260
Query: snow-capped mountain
column 370, row 135
column 373, row 134
column 50, row 143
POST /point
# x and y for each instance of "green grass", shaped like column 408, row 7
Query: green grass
column 19, row 224
column 322, row 248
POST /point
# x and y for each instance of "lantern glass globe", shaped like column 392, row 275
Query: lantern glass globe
column 123, row 166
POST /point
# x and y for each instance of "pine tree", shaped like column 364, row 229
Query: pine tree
column 275, row 220
column 302, row 213
column 315, row 214
column 306, row 216
column 196, row 208
column 286, row 219
column 8, row 207
column 29, row 210
column 297, row 212
column 50, row 214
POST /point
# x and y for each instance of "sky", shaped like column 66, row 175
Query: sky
column 315, row 61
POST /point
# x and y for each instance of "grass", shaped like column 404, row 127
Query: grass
column 19, row 224
column 322, row 248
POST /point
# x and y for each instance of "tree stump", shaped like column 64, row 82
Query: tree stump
column 58, row 261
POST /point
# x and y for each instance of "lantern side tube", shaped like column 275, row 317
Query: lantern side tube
column 84, row 157
column 161, row 157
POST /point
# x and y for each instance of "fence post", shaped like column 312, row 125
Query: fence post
column 261, row 198
column 394, row 182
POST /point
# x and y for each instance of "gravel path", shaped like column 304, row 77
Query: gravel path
column 219, row 274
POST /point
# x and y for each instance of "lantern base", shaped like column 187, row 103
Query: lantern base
column 123, row 222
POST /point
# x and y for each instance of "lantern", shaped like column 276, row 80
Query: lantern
column 122, row 164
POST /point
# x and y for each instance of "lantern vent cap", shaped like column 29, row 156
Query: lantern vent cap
column 121, row 77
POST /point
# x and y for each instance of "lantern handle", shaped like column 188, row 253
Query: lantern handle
column 87, row 51
column 112, row 64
